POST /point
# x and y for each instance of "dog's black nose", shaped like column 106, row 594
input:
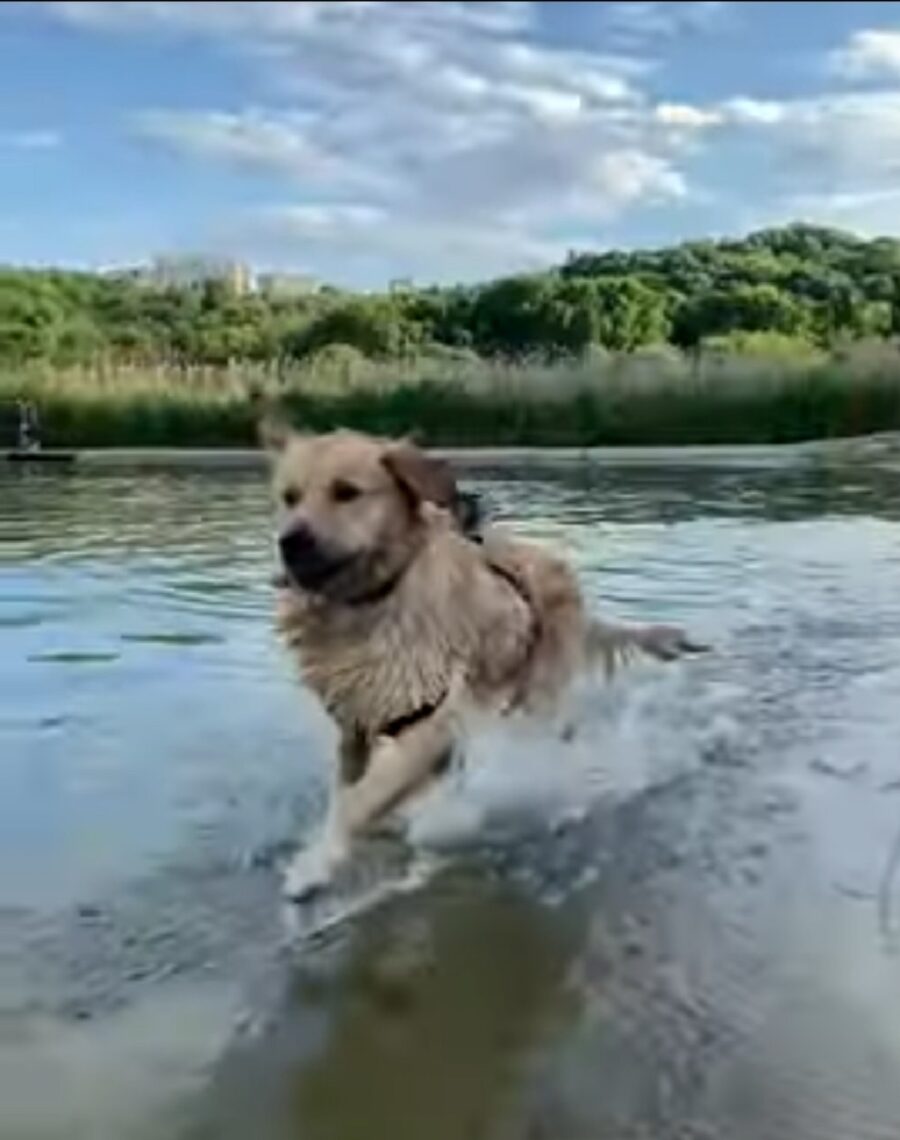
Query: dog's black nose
column 469, row 511
column 298, row 547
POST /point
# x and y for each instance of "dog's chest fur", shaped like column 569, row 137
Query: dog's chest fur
column 374, row 664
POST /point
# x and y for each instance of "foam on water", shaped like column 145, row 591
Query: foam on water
column 519, row 774
column 517, row 779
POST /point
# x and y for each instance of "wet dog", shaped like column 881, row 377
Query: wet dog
column 406, row 614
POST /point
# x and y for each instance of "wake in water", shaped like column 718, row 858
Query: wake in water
column 519, row 782
column 519, row 777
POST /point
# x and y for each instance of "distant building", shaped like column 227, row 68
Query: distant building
column 240, row 278
column 136, row 274
column 284, row 286
column 191, row 271
column 185, row 272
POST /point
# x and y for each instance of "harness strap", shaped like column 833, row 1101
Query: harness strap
column 399, row 724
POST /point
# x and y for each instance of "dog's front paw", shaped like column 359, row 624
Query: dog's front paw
column 304, row 877
column 312, row 870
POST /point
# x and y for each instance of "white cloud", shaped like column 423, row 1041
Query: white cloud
column 640, row 21
column 870, row 213
column 285, row 17
column 363, row 240
column 684, row 115
column 846, row 203
column 870, row 54
column 453, row 123
column 832, row 158
column 31, row 140
column 284, row 143
column 571, row 175
column 753, row 112
column 601, row 77
column 629, row 175
column 445, row 119
column 833, row 138
column 546, row 103
column 826, row 140
column 250, row 138
column 454, row 137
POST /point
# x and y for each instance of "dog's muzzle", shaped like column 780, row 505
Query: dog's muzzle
column 307, row 563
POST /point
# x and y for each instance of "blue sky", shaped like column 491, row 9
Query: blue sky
column 362, row 140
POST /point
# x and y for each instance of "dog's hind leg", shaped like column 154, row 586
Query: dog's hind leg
column 613, row 644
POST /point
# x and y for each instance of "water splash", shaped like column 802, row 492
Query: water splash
column 519, row 775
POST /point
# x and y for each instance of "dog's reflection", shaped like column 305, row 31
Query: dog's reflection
column 416, row 1027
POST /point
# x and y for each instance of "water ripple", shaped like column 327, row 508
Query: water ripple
column 157, row 759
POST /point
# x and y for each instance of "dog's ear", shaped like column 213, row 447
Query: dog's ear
column 274, row 434
column 423, row 477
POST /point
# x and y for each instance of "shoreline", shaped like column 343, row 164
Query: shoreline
column 870, row 447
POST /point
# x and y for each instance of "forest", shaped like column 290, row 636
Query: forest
column 788, row 333
column 815, row 285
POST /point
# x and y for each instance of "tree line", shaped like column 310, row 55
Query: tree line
column 813, row 285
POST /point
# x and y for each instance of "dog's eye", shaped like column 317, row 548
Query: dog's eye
column 343, row 492
column 290, row 496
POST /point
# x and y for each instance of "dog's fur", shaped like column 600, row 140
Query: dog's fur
column 404, row 614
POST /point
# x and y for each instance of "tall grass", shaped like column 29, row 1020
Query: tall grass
column 652, row 397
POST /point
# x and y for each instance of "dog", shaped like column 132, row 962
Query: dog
column 407, row 614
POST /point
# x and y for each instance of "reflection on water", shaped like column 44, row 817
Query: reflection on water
column 695, row 953
column 416, row 1029
column 778, row 491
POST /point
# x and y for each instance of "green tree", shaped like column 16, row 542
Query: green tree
column 374, row 326
column 800, row 281
column 745, row 308
column 630, row 314
column 510, row 316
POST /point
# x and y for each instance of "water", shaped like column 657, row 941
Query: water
column 683, row 925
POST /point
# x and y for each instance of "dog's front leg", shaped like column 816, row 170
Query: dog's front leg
column 394, row 768
column 313, row 867
column 400, row 765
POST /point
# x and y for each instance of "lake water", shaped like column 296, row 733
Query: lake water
column 684, row 925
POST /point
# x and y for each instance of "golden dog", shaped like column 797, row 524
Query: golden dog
column 403, row 619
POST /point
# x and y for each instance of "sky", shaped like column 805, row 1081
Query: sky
column 363, row 141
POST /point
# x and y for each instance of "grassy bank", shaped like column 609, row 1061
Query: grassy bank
column 653, row 398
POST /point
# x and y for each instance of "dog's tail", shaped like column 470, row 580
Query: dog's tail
column 612, row 645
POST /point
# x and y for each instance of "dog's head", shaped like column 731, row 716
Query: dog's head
column 351, row 507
